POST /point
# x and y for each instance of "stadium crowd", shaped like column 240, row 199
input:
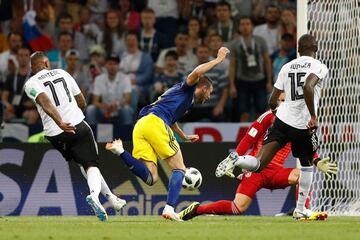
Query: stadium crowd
column 124, row 54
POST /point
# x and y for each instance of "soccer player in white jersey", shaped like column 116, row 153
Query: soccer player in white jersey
column 60, row 104
column 296, row 120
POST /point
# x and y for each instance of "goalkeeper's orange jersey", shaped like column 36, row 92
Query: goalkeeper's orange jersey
column 255, row 135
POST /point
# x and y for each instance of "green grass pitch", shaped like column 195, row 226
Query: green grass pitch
column 152, row 227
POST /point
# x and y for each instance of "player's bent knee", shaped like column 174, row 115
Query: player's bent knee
column 176, row 161
column 155, row 179
column 241, row 206
column 242, row 202
column 294, row 176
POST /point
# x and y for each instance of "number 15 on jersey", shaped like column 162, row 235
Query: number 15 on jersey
column 297, row 84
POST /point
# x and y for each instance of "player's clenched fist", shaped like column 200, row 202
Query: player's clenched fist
column 223, row 51
column 313, row 124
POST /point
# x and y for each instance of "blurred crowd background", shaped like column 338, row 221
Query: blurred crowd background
column 125, row 53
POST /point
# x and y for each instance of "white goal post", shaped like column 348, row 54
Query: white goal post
column 336, row 26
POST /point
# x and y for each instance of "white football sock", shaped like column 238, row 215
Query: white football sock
column 248, row 162
column 305, row 181
column 94, row 181
column 105, row 190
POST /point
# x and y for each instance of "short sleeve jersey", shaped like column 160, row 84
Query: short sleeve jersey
column 255, row 136
column 173, row 104
column 60, row 88
column 291, row 80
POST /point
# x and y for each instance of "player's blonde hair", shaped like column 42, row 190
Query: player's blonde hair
column 204, row 81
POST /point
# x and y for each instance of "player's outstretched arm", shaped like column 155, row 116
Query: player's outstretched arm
column 310, row 83
column 193, row 77
column 192, row 138
column 50, row 110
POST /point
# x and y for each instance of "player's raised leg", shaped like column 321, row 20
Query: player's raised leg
column 234, row 160
column 149, row 133
column 137, row 166
column 248, row 162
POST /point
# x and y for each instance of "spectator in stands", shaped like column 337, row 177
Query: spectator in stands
column 45, row 16
column 249, row 73
column 4, row 45
column 167, row 15
column 7, row 15
column 166, row 79
column 215, row 43
column 193, row 9
column 8, row 60
column 186, row 61
column 282, row 4
column 214, row 109
column 65, row 24
column 285, row 54
column 71, row 7
column 111, row 96
column 138, row 66
column 90, row 30
column 225, row 26
column 197, row 9
column 114, row 33
column 194, row 31
column 17, row 104
column 74, row 68
column 131, row 18
column 57, row 56
column 151, row 41
column 271, row 30
column 138, row 5
column 258, row 15
column 241, row 8
column 98, row 9
column 96, row 65
column 288, row 23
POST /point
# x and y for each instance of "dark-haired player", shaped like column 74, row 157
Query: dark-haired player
column 60, row 104
column 296, row 120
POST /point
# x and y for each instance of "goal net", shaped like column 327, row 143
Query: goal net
column 336, row 26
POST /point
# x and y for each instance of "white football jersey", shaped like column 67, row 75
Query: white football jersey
column 61, row 88
column 291, row 80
